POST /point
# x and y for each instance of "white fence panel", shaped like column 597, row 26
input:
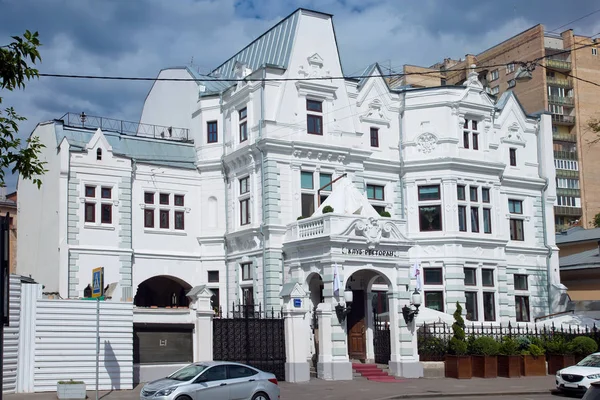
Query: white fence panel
column 11, row 337
column 65, row 344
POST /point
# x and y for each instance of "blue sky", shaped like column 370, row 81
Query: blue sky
column 139, row 37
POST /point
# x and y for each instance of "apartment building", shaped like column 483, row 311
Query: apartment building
column 554, row 87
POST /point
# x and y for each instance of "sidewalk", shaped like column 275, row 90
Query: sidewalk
column 362, row 389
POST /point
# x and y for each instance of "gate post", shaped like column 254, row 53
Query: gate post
column 295, row 311
column 404, row 357
column 203, row 337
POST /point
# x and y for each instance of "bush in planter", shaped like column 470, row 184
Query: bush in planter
column 583, row 346
column 509, row 361
column 432, row 348
column 70, row 390
column 485, row 361
column 327, row 209
column 533, row 362
column 558, row 354
column 299, row 218
column 385, row 214
column 458, row 364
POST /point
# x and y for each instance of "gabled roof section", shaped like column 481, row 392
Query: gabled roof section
column 274, row 47
column 210, row 86
column 505, row 97
column 578, row 234
column 585, row 259
column 366, row 74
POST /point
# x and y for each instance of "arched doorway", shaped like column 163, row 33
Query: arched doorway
column 162, row 292
column 369, row 314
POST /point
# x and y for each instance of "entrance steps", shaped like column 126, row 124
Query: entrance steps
column 373, row 372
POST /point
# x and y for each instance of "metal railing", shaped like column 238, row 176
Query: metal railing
column 558, row 64
column 564, row 82
column 564, row 137
column 563, row 119
column 568, row 211
column 562, row 100
column 565, row 155
column 126, row 127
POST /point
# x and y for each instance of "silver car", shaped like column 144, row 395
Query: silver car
column 214, row 380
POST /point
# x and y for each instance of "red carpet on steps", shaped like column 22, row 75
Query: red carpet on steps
column 373, row 373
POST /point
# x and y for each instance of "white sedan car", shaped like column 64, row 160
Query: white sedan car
column 579, row 377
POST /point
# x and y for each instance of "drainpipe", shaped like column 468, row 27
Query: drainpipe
column 133, row 173
column 262, row 184
column 545, row 230
column 400, row 118
column 225, row 181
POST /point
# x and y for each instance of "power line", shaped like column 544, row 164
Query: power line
column 569, row 75
column 575, row 20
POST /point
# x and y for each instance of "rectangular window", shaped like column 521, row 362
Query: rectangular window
column 164, row 219
column 460, row 192
column 244, row 186
column 466, row 140
column 149, row 198
column 164, row 199
column 314, row 105
column 470, row 276
column 246, row 271
column 513, row 157
column 243, row 114
column 510, row 68
column 516, row 229
column 374, row 137
column 308, row 204
column 106, row 214
column 244, row 212
column 485, row 195
column 314, row 122
column 489, row 306
column 213, row 277
column 374, row 192
column 522, row 308
column 494, row 75
column 148, row 218
column 248, row 296
column 495, row 90
column 306, row 180
column 473, row 193
column 462, row 218
column 212, row 133
column 520, row 282
column 515, row 206
column 179, row 220
column 475, row 141
column 325, row 179
column 179, row 200
column 487, row 277
column 90, row 191
column 474, row 219
column 430, row 218
column 90, row 212
column 434, row 300
column 432, row 276
column 214, row 300
column 427, row 193
column 471, row 306
column 106, row 193
column 594, row 51
column 487, row 220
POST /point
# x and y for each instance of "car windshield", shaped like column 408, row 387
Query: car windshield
column 593, row 360
column 187, row 373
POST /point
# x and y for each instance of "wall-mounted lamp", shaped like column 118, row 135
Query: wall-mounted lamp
column 341, row 310
column 409, row 312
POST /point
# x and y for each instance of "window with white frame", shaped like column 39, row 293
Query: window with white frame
column 170, row 207
column 494, row 75
column 430, row 208
column 244, row 200
column 567, row 183
column 433, row 281
column 376, row 196
column 98, row 206
column 568, row 201
column 495, row 90
column 566, row 165
column 515, row 208
column 325, row 186
column 307, row 196
column 480, row 294
column 246, row 283
column 478, row 209
column 314, row 117
column 521, row 297
column 470, row 134
column 243, row 124
column 510, row 68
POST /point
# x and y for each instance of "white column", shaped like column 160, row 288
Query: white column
column 370, row 317
column 297, row 368
column 324, row 368
column 204, row 335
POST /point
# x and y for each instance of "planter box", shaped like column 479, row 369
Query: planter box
column 458, row 367
column 533, row 366
column 73, row 391
column 557, row 362
column 509, row 366
column 484, row 366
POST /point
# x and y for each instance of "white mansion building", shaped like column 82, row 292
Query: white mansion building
column 209, row 189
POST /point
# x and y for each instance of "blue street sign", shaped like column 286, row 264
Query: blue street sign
column 97, row 282
column 297, row 303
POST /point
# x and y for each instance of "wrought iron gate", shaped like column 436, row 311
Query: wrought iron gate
column 251, row 336
column 381, row 339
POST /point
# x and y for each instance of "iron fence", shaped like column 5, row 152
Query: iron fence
column 126, row 127
column 433, row 338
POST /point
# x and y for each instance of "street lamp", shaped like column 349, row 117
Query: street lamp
column 82, row 118
column 410, row 313
column 340, row 310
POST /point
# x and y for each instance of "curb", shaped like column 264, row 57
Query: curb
column 461, row 395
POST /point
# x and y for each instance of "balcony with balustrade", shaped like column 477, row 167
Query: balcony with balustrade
column 557, row 64
column 565, row 155
column 565, row 120
column 561, row 100
column 560, row 82
column 564, row 137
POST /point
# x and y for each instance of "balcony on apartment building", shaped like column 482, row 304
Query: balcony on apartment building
column 565, row 173
column 561, row 100
column 565, row 155
column 564, row 137
column 557, row 64
column 561, row 119
column 568, row 192
column 560, row 82
column 567, row 211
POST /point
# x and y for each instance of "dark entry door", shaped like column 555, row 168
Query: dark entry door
column 357, row 326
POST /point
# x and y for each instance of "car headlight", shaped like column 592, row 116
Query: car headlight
column 165, row 392
column 595, row 376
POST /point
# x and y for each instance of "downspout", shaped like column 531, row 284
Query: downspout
column 225, row 181
column 544, row 228
column 133, row 173
column 262, row 185
column 400, row 116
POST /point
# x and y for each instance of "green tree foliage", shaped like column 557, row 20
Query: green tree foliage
column 14, row 72
column 458, row 345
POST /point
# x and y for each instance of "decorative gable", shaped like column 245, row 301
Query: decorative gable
column 314, row 68
column 375, row 114
column 514, row 135
column 99, row 141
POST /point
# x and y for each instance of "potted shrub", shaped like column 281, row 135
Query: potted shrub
column 385, row 214
column 458, row 363
column 533, row 361
column 509, row 361
column 583, row 346
column 558, row 354
column 484, row 357
column 432, row 348
column 327, row 209
column 70, row 390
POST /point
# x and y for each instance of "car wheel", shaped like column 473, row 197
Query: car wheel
column 260, row 396
column 184, row 397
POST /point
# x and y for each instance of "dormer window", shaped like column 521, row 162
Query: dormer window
column 470, row 134
column 99, row 154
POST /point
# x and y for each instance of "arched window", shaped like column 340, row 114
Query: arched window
column 99, row 154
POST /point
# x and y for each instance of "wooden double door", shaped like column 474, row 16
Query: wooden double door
column 357, row 326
